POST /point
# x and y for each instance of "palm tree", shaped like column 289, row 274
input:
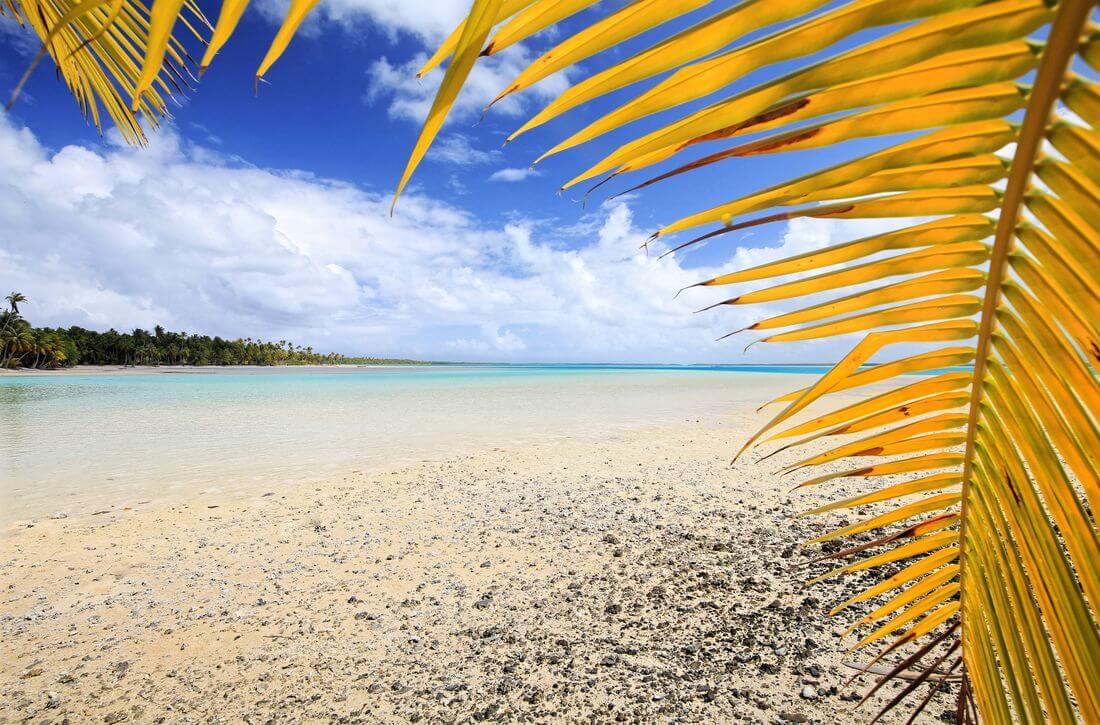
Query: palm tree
column 7, row 321
column 147, row 354
column 13, row 301
column 1000, row 549
column 49, row 351
column 16, row 340
column 37, row 347
column 11, row 316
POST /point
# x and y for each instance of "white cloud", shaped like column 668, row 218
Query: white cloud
column 514, row 174
column 492, row 341
column 428, row 20
column 393, row 83
column 178, row 235
column 410, row 98
column 19, row 38
column 456, row 149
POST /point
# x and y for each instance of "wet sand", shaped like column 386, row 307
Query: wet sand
column 636, row 578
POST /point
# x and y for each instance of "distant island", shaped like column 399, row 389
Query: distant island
column 46, row 348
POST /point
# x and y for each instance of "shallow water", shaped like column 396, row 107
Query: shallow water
column 73, row 443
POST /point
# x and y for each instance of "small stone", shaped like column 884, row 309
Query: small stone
column 610, row 539
column 486, row 564
column 65, row 678
column 53, row 700
column 60, row 515
column 793, row 717
column 116, row 716
column 809, row 692
column 613, row 608
column 483, row 603
column 32, row 672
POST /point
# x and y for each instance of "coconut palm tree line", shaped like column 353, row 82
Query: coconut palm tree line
column 25, row 346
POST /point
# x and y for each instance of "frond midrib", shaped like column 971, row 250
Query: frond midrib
column 1061, row 47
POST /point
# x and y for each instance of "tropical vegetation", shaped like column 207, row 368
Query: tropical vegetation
column 24, row 346
column 981, row 486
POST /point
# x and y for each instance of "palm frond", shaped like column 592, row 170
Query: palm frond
column 123, row 55
column 990, row 477
column 99, row 48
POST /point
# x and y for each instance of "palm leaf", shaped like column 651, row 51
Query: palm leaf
column 122, row 58
column 99, row 47
column 991, row 475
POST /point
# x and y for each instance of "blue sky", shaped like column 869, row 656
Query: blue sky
column 264, row 216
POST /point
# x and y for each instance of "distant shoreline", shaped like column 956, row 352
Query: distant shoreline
column 178, row 369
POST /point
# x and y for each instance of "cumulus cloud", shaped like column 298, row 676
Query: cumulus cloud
column 409, row 98
column 511, row 174
column 392, row 83
column 458, row 150
column 180, row 235
column 428, row 20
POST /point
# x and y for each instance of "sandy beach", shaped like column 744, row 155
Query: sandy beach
column 632, row 577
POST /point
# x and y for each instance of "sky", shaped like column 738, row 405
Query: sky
column 267, row 216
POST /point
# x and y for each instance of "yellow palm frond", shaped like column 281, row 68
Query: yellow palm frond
column 122, row 58
column 100, row 46
column 991, row 475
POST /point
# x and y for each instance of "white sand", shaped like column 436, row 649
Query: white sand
column 631, row 576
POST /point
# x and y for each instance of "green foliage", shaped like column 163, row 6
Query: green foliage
column 24, row 346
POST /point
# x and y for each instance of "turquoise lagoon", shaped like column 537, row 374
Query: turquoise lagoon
column 73, row 442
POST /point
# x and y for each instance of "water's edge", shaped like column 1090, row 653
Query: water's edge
column 74, row 442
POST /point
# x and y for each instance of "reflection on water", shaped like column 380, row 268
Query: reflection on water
column 74, row 442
